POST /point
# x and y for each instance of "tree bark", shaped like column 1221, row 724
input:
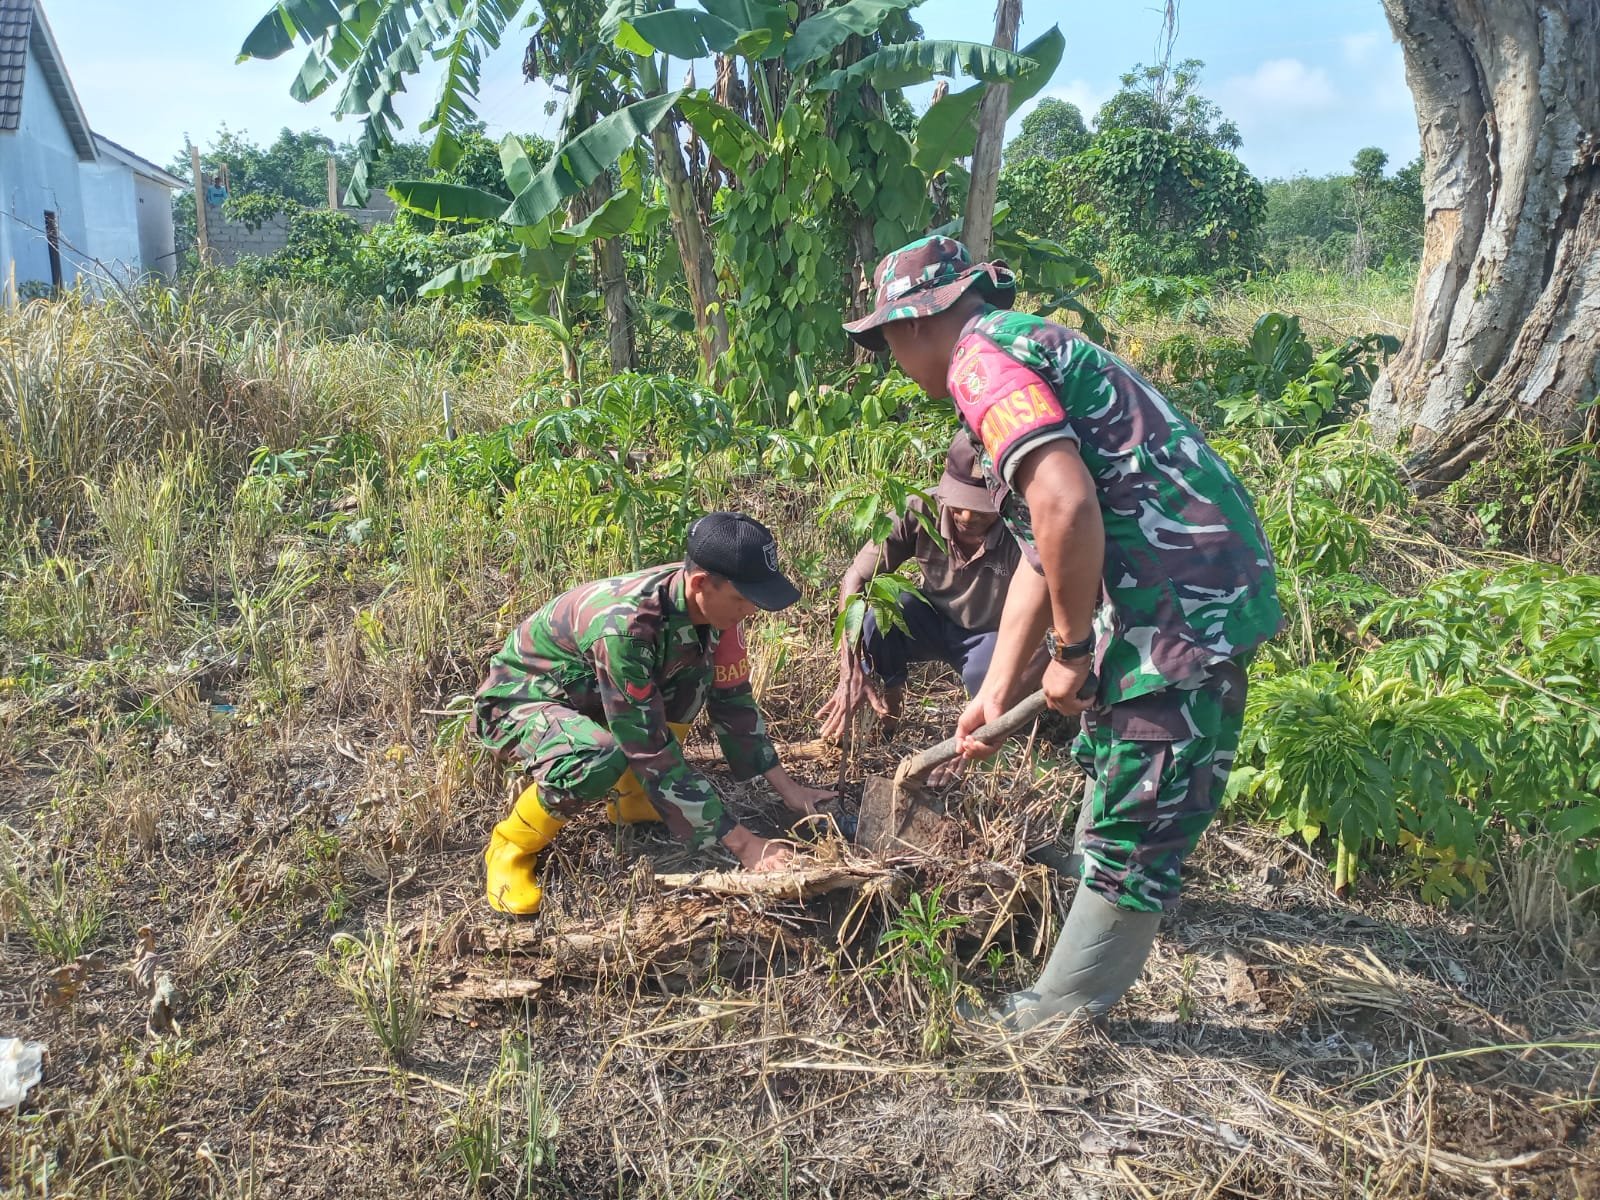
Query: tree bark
column 1506, row 318
column 977, row 228
column 694, row 245
column 613, row 270
column 610, row 279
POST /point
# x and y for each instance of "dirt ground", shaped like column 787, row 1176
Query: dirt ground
column 649, row 1036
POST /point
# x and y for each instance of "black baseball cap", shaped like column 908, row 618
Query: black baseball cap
column 743, row 551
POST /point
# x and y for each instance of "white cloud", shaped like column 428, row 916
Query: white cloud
column 1278, row 85
column 1085, row 95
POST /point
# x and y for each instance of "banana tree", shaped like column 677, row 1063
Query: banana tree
column 818, row 168
column 372, row 47
column 541, row 264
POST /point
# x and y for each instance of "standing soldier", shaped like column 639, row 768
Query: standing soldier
column 594, row 693
column 1149, row 566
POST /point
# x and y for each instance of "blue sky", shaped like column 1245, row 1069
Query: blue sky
column 1308, row 84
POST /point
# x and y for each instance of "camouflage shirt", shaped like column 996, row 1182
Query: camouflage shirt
column 1188, row 575
column 623, row 652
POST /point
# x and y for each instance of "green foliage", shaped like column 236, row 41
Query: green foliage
column 479, row 25
column 483, row 464
column 374, row 48
column 1368, row 759
column 593, row 458
column 1470, row 721
column 909, row 63
column 949, row 129
column 255, row 209
column 323, row 248
column 1054, row 130
column 1040, row 194
column 1277, row 381
column 60, row 914
column 779, row 228
column 388, row 983
column 1345, row 222
column 881, row 598
column 1163, row 99
column 1533, row 492
column 506, row 1130
column 1168, row 204
column 584, row 158
column 917, row 950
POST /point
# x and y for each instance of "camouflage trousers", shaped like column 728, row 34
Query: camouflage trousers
column 1159, row 765
column 573, row 758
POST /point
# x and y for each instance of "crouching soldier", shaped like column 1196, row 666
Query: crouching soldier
column 593, row 694
column 1150, row 575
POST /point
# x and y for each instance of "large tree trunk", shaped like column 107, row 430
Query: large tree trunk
column 977, row 228
column 1506, row 322
column 694, row 246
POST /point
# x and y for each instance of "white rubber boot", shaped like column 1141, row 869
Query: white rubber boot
column 1098, row 957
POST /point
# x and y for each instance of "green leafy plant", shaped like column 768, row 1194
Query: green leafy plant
column 388, row 982
column 1364, row 757
column 58, row 912
column 917, row 949
column 508, row 1125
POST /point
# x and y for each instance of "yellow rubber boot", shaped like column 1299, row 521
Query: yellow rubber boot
column 513, row 847
column 632, row 806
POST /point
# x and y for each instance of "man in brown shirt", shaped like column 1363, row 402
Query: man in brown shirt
column 955, row 619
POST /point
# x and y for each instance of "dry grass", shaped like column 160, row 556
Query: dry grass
column 1281, row 1043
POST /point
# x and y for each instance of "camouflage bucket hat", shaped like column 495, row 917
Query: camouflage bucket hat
column 925, row 278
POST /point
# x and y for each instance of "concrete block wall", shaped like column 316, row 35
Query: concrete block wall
column 232, row 240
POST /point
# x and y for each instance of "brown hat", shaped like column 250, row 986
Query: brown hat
column 962, row 485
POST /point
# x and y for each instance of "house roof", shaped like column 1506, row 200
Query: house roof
column 23, row 26
column 139, row 166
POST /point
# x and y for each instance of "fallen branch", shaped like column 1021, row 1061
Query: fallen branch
column 803, row 883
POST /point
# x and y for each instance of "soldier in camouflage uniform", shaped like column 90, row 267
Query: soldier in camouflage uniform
column 1151, row 574
column 593, row 694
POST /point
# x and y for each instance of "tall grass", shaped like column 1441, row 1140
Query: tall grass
column 1332, row 306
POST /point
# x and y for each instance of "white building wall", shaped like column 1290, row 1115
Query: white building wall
column 110, row 213
column 157, row 245
column 39, row 171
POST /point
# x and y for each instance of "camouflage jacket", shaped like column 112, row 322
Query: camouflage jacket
column 1188, row 575
column 623, row 652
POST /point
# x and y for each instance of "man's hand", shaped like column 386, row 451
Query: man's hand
column 1062, row 683
column 848, row 697
column 759, row 854
column 947, row 773
column 983, row 709
column 797, row 797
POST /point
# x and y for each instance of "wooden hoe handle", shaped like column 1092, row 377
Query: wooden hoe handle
column 919, row 764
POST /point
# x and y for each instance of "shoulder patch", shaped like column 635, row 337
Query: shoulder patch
column 1001, row 399
column 730, row 659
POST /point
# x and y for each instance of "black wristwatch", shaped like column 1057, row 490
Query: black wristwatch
column 1064, row 652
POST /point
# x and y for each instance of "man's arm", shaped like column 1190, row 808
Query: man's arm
column 1022, row 624
column 873, row 559
column 1071, row 538
column 741, row 731
column 1069, row 534
column 693, row 811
